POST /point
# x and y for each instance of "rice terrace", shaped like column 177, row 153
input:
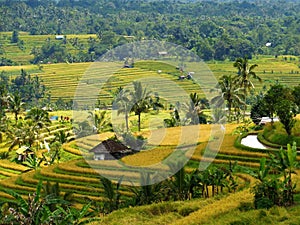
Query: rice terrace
column 149, row 112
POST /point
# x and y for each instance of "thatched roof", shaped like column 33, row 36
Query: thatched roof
column 110, row 146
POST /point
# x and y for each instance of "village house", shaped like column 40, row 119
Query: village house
column 110, row 150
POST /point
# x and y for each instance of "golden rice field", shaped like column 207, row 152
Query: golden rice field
column 82, row 176
column 93, row 80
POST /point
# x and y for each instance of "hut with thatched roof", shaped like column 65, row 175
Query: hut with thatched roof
column 110, row 150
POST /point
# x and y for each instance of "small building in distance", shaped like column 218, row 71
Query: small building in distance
column 23, row 153
column 268, row 44
column 265, row 120
column 162, row 54
column 111, row 150
column 59, row 37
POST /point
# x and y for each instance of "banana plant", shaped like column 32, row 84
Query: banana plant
column 27, row 212
column 113, row 195
column 285, row 161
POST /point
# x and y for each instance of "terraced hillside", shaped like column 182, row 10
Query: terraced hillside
column 63, row 79
column 21, row 53
column 82, row 176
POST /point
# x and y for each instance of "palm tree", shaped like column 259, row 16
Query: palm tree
column 229, row 92
column 245, row 73
column 123, row 104
column 15, row 104
column 101, row 121
column 39, row 116
column 141, row 101
column 194, row 108
column 21, row 134
column 40, row 119
column 61, row 136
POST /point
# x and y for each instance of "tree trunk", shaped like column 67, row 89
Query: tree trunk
column 139, row 122
column 245, row 106
column 126, row 122
column 229, row 111
column 207, row 193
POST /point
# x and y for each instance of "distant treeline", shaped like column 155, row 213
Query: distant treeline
column 213, row 29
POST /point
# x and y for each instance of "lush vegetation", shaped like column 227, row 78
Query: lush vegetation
column 48, row 173
column 106, row 196
column 213, row 30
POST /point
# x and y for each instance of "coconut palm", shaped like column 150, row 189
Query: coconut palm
column 15, row 104
column 101, row 121
column 39, row 116
column 123, row 104
column 230, row 93
column 61, row 136
column 21, row 134
column 40, row 119
column 141, row 102
column 194, row 108
column 245, row 73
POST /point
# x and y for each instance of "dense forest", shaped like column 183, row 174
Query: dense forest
column 213, row 29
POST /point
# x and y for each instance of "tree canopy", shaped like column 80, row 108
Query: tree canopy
column 213, row 29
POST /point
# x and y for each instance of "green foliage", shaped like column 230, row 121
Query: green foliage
column 258, row 110
column 286, row 111
column 30, row 89
column 140, row 98
column 50, row 52
column 146, row 193
column 101, row 121
column 4, row 155
column 216, row 38
column 245, row 75
column 15, row 104
column 174, row 121
column 275, row 135
column 113, row 195
column 194, row 114
column 33, row 162
column 122, row 104
column 278, row 188
column 15, row 37
column 21, row 134
column 296, row 94
column 230, row 92
column 278, row 100
column 43, row 208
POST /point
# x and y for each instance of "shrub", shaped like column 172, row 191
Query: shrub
column 276, row 134
column 185, row 211
column 245, row 206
